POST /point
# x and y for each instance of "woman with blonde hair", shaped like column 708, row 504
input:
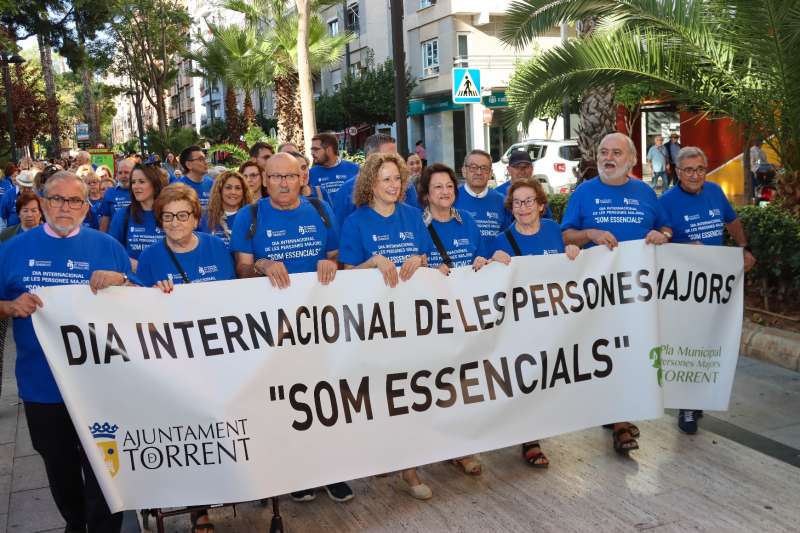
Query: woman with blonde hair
column 229, row 194
column 385, row 233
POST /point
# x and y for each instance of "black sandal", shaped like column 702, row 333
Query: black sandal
column 624, row 446
column 208, row 527
column 533, row 458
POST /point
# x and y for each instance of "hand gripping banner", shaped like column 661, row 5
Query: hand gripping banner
column 235, row 391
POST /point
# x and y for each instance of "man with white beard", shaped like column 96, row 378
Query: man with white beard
column 613, row 208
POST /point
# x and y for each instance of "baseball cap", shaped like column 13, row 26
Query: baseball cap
column 519, row 156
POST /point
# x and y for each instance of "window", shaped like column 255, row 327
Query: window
column 355, row 69
column 463, row 52
column 352, row 19
column 426, row 3
column 430, row 58
column 336, row 79
column 333, row 27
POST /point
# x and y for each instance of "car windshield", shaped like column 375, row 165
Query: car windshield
column 536, row 151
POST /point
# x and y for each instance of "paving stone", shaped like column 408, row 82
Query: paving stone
column 3, row 521
column 5, row 494
column 6, row 458
column 32, row 511
column 8, row 422
column 28, row 474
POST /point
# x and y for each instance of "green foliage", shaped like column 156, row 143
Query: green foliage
column 557, row 203
column 367, row 98
column 175, row 140
column 131, row 145
column 266, row 123
column 228, row 154
column 774, row 235
column 357, row 157
column 215, row 131
column 255, row 134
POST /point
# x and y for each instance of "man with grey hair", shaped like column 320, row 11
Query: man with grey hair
column 609, row 209
column 699, row 213
column 118, row 197
column 82, row 158
column 486, row 206
column 41, row 257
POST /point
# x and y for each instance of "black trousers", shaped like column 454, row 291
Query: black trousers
column 78, row 497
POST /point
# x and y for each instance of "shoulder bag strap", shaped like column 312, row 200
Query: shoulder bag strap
column 513, row 242
column 437, row 241
column 253, row 220
column 176, row 263
column 317, row 203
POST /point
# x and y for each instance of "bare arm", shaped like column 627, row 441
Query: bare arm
column 104, row 223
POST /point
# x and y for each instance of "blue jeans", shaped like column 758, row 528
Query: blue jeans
column 664, row 178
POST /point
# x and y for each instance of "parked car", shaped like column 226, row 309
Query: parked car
column 553, row 163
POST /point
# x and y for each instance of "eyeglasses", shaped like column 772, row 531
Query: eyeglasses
column 527, row 202
column 479, row 168
column 198, row 158
column 182, row 216
column 58, row 202
column 277, row 178
column 700, row 171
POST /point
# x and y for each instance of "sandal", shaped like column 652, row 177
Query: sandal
column 634, row 430
column 533, row 455
column 624, row 446
column 206, row 527
column 469, row 465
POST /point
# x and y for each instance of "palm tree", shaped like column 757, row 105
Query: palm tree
column 278, row 28
column 735, row 58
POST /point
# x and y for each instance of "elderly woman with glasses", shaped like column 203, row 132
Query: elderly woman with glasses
column 184, row 256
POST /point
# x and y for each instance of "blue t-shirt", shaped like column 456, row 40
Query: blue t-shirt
column 657, row 155
column 209, row 261
column 331, row 179
column 697, row 217
column 5, row 185
column 296, row 237
column 35, row 259
column 343, row 204
column 8, row 207
column 203, row 189
column 115, row 198
column 219, row 231
column 489, row 212
column 397, row 237
column 139, row 235
column 461, row 240
column 546, row 241
column 627, row 211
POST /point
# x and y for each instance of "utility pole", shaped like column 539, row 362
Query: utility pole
column 566, row 100
column 399, row 58
column 346, row 27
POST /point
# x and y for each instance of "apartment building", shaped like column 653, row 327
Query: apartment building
column 440, row 35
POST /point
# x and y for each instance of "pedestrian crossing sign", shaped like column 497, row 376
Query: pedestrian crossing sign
column 466, row 85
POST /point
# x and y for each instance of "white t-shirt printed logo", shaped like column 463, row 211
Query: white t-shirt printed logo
column 39, row 263
column 310, row 228
column 203, row 270
column 630, row 201
column 77, row 265
column 406, row 235
column 379, row 238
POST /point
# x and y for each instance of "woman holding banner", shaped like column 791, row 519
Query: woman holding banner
column 229, row 194
column 384, row 233
column 530, row 234
column 184, row 256
column 135, row 226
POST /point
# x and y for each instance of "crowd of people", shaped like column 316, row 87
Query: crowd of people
column 158, row 225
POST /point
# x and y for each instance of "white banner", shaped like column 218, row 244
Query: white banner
column 235, row 391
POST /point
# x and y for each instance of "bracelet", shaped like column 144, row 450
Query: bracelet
column 256, row 270
column 667, row 234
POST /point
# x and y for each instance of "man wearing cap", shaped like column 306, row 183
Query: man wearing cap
column 8, row 211
column 672, row 147
column 520, row 166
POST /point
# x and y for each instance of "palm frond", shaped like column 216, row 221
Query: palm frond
column 528, row 19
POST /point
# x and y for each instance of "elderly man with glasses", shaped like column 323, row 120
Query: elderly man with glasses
column 474, row 196
column 41, row 257
column 699, row 213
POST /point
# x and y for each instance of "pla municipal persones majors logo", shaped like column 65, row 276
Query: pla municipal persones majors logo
column 106, row 440
column 655, row 357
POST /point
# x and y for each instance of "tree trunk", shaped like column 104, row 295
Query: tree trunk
column 161, row 110
column 286, row 109
column 304, row 75
column 231, row 115
column 597, row 113
column 88, row 105
column 249, row 111
column 46, row 59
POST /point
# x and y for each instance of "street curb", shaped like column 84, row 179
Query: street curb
column 776, row 346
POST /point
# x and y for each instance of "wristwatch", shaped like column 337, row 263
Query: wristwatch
column 667, row 233
column 124, row 278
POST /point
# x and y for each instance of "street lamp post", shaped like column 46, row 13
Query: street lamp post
column 5, row 61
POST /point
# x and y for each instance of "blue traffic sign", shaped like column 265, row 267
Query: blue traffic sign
column 466, row 85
